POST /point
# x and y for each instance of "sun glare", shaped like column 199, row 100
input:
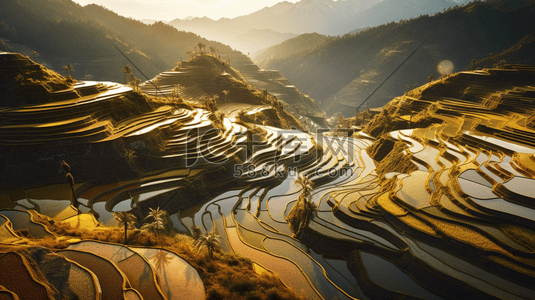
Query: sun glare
column 445, row 67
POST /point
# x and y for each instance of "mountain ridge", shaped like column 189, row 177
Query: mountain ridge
column 371, row 55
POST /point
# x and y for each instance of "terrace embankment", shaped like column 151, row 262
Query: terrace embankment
column 206, row 78
column 449, row 166
column 107, row 133
column 433, row 201
column 273, row 81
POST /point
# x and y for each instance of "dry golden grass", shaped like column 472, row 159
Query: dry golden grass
column 511, row 265
column 226, row 276
column 526, row 162
column 466, row 235
column 391, row 207
column 521, row 234
column 390, row 157
column 418, row 224
column 52, row 243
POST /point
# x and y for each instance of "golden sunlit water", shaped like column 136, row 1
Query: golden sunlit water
column 445, row 67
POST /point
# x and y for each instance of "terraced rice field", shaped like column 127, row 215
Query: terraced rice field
column 461, row 224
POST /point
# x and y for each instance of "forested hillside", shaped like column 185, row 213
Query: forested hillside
column 301, row 44
column 63, row 32
column 343, row 72
column 521, row 52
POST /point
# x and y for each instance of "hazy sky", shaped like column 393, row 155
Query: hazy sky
column 168, row 10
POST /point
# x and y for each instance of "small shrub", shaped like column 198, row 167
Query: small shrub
column 24, row 233
column 241, row 284
column 211, row 268
column 214, row 294
column 52, row 243
column 273, row 294
column 254, row 297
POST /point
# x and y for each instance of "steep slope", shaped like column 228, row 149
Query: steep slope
column 62, row 32
column 521, row 52
column 206, row 78
column 292, row 47
column 342, row 73
column 295, row 101
column 24, row 82
column 456, row 163
column 152, row 48
column 390, row 11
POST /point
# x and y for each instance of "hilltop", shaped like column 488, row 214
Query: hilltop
column 342, row 72
column 63, row 32
column 152, row 48
column 208, row 78
column 25, row 82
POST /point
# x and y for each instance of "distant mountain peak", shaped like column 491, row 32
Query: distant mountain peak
column 205, row 18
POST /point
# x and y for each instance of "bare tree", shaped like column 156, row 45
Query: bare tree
column 202, row 47
column 127, row 70
column 473, row 62
column 70, row 68
column 35, row 54
column 70, row 179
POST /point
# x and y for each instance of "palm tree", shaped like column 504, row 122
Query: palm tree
column 35, row 54
column 201, row 47
column 155, row 226
column 226, row 94
column 190, row 54
column 127, row 70
column 306, row 187
column 134, row 83
column 66, row 71
column 127, row 220
column 209, row 242
column 304, row 208
column 130, row 156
